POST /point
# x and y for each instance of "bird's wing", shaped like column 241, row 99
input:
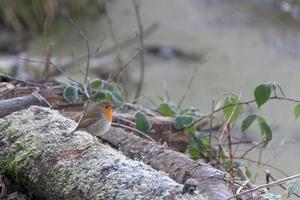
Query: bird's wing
column 88, row 118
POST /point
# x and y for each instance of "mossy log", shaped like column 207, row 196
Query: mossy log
column 39, row 152
column 211, row 182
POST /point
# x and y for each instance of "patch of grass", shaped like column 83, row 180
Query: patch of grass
column 30, row 15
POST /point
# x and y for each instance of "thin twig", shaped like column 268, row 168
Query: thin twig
column 229, row 119
column 272, row 184
column 48, row 55
column 268, row 174
column 140, row 36
column 40, row 97
column 250, row 149
column 166, row 91
column 133, row 129
column 10, row 78
column 210, row 129
column 121, row 69
column 229, row 145
column 85, row 40
column 52, row 63
column 148, row 31
column 113, row 36
column 263, row 164
column 253, row 101
column 188, row 86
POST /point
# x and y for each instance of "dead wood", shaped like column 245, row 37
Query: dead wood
column 162, row 130
column 9, row 106
column 211, row 182
column 39, row 153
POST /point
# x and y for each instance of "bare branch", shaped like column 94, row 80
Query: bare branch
column 85, row 40
column 122, row 68
column 140, row 36
column 52, row 63
column 272, row 184
column 153, row 27
column 133, row 129
column 268, row 174
column 188, row 86
column 113, row 36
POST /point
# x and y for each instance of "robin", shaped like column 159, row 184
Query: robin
column 97, row 119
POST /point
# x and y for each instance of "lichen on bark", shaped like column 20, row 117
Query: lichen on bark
column 39, row 152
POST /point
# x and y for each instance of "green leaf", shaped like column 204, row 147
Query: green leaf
column 99, row 96
column 268, row 195
column 193, row 152
column 167, row 109
column 293, row 186
column 182, row 121
column 262, row 94
column 202, row 144
column 115, row 92
column 108, row 95
column 71, row 93
column 117, row 98
column 297, row 111
column 247, row 122
column 277, row 86
column 95, row 84
column 103, row 95
column 234, row 110
column 192, row 131
column 264, row 129
column 141, row 122
column 192, row 111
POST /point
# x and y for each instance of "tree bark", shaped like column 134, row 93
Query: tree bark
column 11, row 105
column 212, row 183
column 39, row 152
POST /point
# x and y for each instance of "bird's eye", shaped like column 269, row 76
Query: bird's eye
column 106, row 107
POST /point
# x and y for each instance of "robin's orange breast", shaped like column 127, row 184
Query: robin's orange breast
column 108, row 113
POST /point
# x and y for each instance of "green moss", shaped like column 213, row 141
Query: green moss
column 11, row 132
column 4, row 124
column 21, row 158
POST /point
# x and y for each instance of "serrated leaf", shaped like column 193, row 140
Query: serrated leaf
column 182, row 121
column 71, row 93
column 264, row 130
column 247, row 122
column 167, row 109
column 262, row 94
column 95, row 84
column 234, row 110
column 297, row 110
column 141, row 122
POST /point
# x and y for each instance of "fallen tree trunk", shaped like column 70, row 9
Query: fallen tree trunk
column 39, row 153
column 212, row 183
